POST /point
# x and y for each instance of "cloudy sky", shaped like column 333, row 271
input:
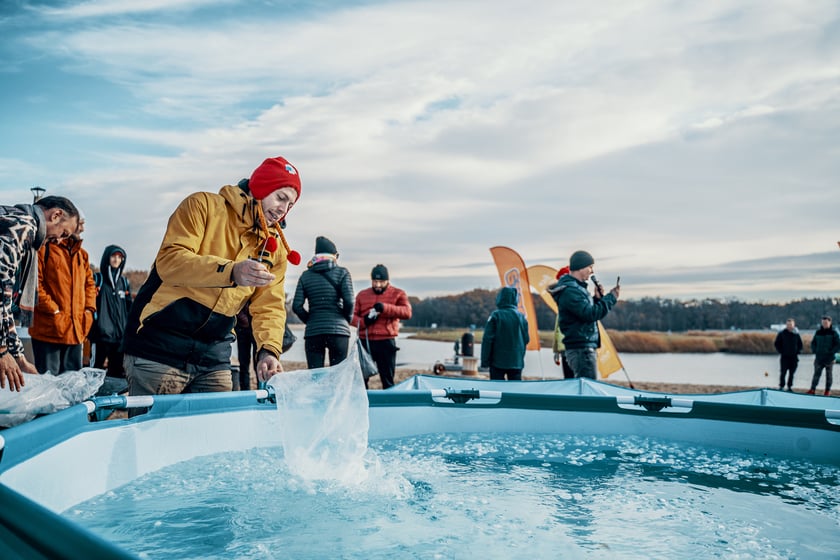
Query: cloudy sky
column 692, row 147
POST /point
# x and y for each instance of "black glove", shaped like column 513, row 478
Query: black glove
column 369, row 320
column 378, row 306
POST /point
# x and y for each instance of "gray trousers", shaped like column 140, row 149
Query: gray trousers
column 146, row 377
column 583, row 361
column 56, row 358
column 818, row 367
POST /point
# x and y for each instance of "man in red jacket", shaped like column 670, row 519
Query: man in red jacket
column 377, row 314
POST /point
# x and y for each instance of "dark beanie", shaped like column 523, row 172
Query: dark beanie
column 580, row 259
column 379, row 272
column 324, row 245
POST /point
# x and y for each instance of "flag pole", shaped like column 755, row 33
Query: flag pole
column 627, row 376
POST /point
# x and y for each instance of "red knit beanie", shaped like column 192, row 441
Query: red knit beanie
column 273, row 174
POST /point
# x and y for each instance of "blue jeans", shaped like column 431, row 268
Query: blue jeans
column 584, row 362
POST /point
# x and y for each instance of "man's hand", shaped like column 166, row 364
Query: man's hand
column 25, row 365
column 267, row 366
column 616, row 291
column 371, row 315
column 251, row 273
column 10, row 370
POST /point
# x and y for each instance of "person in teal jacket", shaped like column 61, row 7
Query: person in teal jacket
column 505, row 338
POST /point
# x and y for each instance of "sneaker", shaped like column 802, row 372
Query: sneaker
column 789, row 390
column 827, row 393
column 811, row 392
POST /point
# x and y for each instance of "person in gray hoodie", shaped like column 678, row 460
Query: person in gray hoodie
column 324, row 302
column 505, row 338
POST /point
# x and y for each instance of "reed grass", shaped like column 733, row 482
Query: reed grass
column 652, row 342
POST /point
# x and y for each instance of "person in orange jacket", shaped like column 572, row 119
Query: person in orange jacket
column 377, row 315
column 66, row 305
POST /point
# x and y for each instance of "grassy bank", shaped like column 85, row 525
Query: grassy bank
column 653, row 342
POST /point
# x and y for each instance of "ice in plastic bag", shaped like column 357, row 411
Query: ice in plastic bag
column 47, row 393
column 324, row 422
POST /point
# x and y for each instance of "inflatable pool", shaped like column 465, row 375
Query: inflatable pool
column 55, row 462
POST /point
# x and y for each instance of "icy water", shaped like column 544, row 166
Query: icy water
column 482, row 496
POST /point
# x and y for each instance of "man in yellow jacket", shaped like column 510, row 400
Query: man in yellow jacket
column 219, row 252
column 66, row 304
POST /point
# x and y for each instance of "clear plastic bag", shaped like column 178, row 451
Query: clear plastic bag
column 324, row 422
column 47, row 393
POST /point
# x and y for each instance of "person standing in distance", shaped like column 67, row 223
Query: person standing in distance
column 788, row 344
column 324, row 302
column 825, row 345
column 578, row 313
column 377, row 315
column 66, row 306
column 113, row 301
column 505, row 338
column 557, row 345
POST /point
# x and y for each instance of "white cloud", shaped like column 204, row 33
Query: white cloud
column 105, row 8
column 657, row 133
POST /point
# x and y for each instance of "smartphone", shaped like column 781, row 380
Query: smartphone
column 618, row 280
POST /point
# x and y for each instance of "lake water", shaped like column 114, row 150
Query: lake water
column 714, row 369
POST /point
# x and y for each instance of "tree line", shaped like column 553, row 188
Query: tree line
column 646, row 314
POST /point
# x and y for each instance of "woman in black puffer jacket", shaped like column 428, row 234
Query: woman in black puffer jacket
column 324, row 302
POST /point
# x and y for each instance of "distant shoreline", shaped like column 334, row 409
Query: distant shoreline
column 652, row 342
column 655, row 386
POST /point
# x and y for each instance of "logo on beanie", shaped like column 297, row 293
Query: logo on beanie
column 290, row 169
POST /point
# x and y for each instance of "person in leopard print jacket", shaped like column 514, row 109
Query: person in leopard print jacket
column 24, row 228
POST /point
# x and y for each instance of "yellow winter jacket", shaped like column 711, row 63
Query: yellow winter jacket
column 185, row 312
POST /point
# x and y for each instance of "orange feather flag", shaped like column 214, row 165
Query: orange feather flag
column 513, row 274
column 541, row 277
